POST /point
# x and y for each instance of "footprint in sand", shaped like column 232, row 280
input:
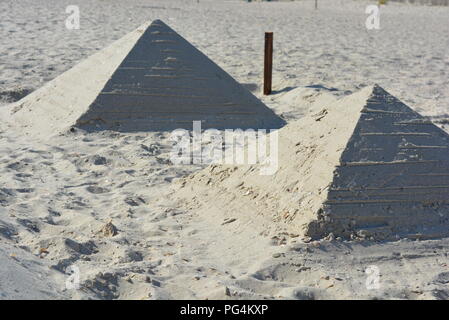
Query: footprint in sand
column 134, row 201
column 97, row 190
column 7, row 230
column 18, row 166
column 31, row 226
column 7, row 196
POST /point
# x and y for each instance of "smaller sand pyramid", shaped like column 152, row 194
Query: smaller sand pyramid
column 150, row 80
column 367, row 166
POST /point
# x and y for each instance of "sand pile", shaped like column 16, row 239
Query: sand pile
column 150, row 80
column 366, row 166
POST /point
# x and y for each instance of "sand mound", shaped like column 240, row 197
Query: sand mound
column 150, row 80
column 366, row 166
column 56, row 106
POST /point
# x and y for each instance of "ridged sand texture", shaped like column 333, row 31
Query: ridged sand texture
column 166, row 83
column 393, row 175
column 150, row 80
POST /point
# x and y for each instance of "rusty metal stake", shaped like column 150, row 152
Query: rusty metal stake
column 268, row 65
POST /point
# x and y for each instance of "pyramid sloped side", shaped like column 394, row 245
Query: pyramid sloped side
column 394, row 174
column 56, row 106
column 165, row 83
column 288, row 200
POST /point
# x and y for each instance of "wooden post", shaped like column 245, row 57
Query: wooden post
column 268, row 64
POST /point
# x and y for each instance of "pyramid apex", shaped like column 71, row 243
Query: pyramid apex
column 378, row 89
column 373, row 89
column 158, row 21
column 382, row 97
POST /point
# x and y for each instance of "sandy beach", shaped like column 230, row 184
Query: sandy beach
column 111, row 207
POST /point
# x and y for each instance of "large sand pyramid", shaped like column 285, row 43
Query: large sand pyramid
column 150, row 80
column 366, row 166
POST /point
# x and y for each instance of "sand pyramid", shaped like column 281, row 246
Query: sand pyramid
column 150, row 80
column 366, row 166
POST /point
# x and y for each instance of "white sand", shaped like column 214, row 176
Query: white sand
column 57, row 194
